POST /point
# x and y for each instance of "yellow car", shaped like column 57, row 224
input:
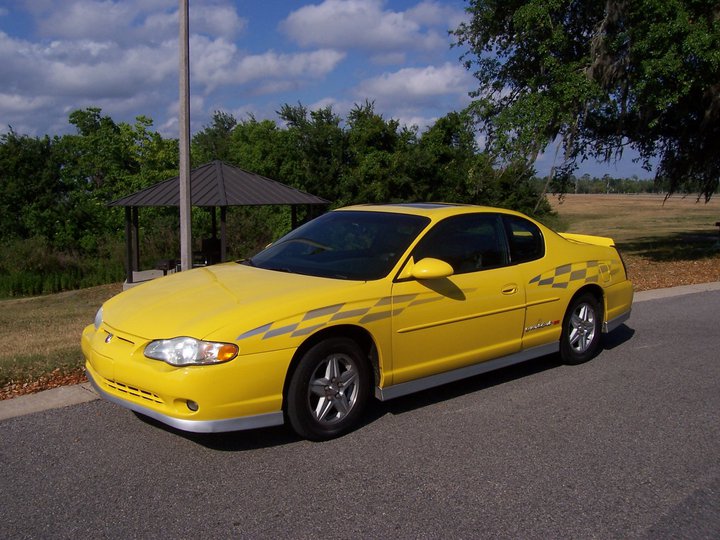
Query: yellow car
column 373, row 299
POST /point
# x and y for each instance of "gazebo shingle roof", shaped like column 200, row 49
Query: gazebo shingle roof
column 219, row 184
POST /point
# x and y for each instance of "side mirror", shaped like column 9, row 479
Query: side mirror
column 429, row 268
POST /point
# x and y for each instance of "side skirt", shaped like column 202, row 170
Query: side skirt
column 397, row 390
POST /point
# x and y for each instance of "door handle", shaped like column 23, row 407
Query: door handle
column 511, row 288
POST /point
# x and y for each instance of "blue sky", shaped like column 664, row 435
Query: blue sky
column 247, row 57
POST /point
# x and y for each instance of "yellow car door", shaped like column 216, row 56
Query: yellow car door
column 473, row 315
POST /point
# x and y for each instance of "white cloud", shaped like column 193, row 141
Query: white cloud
column 16, row 103
column 418, row 83
column 361, row 24
column 436, row 14
column 131, row 22
column 219, row 20
column 218, row 63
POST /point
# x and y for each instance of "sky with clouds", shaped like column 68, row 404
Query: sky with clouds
column 247, row 57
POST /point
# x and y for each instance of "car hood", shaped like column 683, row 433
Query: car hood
column 199, row 302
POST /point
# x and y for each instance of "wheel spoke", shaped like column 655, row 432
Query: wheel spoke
column 318, row 386
column 332, row 369
column 342, row 405
column 324, row 406
column 348, row 378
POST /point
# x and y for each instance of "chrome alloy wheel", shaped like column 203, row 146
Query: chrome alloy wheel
column 583, row 327
column 333, row 389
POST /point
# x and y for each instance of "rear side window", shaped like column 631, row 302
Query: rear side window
column 524, row 238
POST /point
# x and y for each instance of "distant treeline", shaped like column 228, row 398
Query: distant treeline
column 57, row 231
column 608, row 184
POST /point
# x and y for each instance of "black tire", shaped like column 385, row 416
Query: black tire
column 581, row 332
column 329, row 390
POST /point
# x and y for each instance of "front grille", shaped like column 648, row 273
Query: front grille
column 133, row 391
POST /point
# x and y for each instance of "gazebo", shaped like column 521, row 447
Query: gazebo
column 214, row 185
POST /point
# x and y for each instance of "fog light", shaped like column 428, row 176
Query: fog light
column 192, row 405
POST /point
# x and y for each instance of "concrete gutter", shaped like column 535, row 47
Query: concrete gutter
column 65, row 396
column 55, row 398
column 656, row 294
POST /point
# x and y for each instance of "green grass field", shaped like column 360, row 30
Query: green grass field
column 41, row 335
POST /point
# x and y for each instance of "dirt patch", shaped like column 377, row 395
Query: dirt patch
column 46, row 382
column 647, row 274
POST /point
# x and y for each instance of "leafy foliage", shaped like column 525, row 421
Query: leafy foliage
column 598, row 77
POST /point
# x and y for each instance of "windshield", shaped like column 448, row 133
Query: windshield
column 345, row 244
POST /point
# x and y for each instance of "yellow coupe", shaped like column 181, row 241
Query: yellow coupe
column 374, row 299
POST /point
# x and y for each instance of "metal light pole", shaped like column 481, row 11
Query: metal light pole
column 184, row 129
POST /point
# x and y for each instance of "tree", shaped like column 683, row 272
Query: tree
column 598, row 77
column 444, row 162
column 32, row 197
column 315, row 150
column 214, row 141
column 375, row 168
column 258, row 147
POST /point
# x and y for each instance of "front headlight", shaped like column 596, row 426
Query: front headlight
column 98, row 319
column 187, row 351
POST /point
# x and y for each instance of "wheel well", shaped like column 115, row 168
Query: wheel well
column 596, row 291
column 359, row 335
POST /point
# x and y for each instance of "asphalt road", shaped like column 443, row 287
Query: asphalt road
column 625, row 446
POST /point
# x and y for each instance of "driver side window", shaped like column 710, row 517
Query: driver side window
column 468, row 243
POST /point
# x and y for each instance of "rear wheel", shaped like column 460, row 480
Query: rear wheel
column 328, row 390
column 580, row 337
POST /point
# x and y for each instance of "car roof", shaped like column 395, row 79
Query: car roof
column 430, row 209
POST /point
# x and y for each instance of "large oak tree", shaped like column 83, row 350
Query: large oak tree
column 599, row 77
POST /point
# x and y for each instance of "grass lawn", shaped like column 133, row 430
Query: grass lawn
column 41, row 335
column 664, row 244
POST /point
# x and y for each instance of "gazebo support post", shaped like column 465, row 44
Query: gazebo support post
column 213, row 216
column 128, row 245
column 136, row 238
column 223, row 233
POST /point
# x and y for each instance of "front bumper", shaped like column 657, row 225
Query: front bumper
column 194, row 426
column 245, row 393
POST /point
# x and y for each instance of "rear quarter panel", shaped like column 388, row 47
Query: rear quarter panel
column 568, row 266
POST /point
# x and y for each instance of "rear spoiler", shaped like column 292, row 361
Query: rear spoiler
column 588, row 239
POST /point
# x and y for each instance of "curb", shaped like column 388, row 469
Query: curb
column 656, row 294
column 56, row 398
column 65, row 396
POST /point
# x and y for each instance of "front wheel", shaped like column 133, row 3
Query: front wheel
column 580, row 337
column 329, row 390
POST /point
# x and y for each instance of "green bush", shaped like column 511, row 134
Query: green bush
column 32, row 267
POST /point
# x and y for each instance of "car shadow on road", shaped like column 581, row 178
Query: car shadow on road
column 239, row 441
column 622, row 334
column 232, row 441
